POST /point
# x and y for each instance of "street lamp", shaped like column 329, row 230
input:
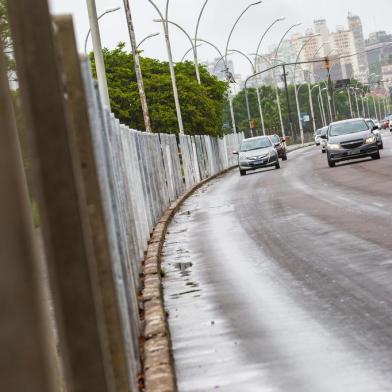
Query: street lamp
column 98, row 55
column 235, row 24
column 109, row 11
column 190, row 41
column 228, row 74
column 170, row 59
column 145, row 39
column 295, row 86
column 269, row 62
column 187, row 52
column 246, row 89
column 274, row 76
column 255, row 68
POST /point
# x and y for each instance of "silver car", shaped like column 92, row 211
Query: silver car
column 375, row 127
column 256, row 153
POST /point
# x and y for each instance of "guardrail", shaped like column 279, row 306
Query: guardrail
column 101, row 188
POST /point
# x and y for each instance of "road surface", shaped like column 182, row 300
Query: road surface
column 282, row 280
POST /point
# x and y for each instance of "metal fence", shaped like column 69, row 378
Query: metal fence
column 101, row 188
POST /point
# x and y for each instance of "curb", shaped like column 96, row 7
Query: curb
column 159, row 371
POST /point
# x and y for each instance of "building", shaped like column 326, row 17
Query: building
column 355, row 25
column 343, row 45
column 320, row 27
column 379, row 54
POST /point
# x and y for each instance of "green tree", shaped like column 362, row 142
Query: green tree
column 201, row 105
column 5, row 35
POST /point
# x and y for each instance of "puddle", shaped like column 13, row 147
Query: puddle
column 178, row 295
column 184, row 268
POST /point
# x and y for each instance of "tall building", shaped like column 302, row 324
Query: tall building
column 343, row 44
column 355, row 25
column 321, row 27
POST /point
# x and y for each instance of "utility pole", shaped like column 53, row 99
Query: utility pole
column 171, row 63
column 98, row 55
column 288, row 99
column 138, row 71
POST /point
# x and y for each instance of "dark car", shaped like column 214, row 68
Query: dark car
column 280, row 146
column 350, row 139
column 256, row 153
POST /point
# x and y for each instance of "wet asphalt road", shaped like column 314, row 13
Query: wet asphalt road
column 282, row 280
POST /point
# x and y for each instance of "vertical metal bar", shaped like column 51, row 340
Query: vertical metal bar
column 58, row 193
column 98, row 55
column 24, row 355
column 138, row 71
column 288, row 100
column 79, row 115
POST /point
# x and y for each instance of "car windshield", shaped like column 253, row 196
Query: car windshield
column 255, row 144
column 345, row 128
column 370, row 123
column 275, row 139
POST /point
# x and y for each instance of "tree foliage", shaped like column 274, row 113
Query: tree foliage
column 201, row 105
column 5, row 36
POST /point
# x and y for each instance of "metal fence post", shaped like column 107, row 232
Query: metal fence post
column 79, row 115
column 24, row 355
column 57, row 184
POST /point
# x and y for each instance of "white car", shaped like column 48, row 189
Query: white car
column 323, row 142
column 317, row 138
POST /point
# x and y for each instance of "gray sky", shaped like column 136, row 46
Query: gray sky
column 218, row 18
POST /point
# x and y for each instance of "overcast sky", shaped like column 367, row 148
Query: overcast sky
column 218, row 18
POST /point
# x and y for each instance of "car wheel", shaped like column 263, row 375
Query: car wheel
column 323, row 151
column 381, row 146
column 242, row 172
column 284, row 157
column 330, row 162
column 376, row 155
column 277, row 165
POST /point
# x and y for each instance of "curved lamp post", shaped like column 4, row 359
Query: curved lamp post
column 274, row 76
column 165, row 26
column 296, row 90
column 246, row 90
column 145, row 39
column 255, row 68
column 190, row 41
column 187, row 52
column 228, row 74
column 109, row 11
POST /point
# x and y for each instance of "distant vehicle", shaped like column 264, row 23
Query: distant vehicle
column 375, row 126
column 280, row 146
column 256, row 153
column 385, row 122
column 350, row 139
column 317, row 138
column 323, row 142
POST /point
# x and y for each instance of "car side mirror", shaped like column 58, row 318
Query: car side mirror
column 283, row 140
column 235, row 152
column 323, row 137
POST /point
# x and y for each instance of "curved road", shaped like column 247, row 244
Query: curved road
column 282, row 280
